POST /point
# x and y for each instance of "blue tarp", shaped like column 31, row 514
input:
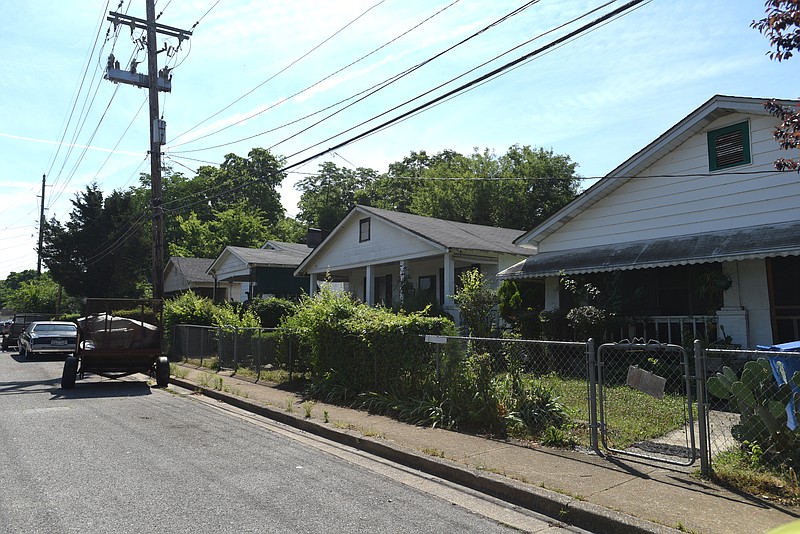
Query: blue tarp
column 783, row 368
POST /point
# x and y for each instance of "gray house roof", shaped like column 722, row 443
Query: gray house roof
column 272, row 257
column 453, row 235
column 193, row 270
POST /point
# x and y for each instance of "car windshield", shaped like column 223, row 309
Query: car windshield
column 40, row 328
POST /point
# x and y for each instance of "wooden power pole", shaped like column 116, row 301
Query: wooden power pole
column 41, row 230
column 155, row 81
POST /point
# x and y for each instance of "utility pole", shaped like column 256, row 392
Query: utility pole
column 41, row 231
column 155, row 81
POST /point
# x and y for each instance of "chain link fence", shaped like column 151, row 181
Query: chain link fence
column 538, row 388
column 750, row 407
column 230, row 348
column 645, row 401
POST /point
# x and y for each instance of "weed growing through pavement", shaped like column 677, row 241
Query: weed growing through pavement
column 218, row 383
column 434, row 452
column 374, row 434
column 307, row 407
column 344, row 425
column 289, row 404
column 206, row 379
column 178, row 372
column 325, row 416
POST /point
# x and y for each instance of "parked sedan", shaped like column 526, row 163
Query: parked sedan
column 42, row 337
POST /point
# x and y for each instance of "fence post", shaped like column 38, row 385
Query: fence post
column 702, row 408
column 591, row 361
column 289, row 356
column 235, row 349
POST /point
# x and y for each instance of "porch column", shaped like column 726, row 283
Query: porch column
column 732, row 317
column 312, row 284
column 449, row 283
column 369, row 296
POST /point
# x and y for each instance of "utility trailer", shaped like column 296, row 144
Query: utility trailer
column 119, row 337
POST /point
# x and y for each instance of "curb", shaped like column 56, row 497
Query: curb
column 559, row 507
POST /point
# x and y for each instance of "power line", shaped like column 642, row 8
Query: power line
column 280, row 71
column 433, row 101
column 380, row 86
column 308, row 88
column 68, row 117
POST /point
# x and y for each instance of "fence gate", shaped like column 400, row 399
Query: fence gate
column 644, row 401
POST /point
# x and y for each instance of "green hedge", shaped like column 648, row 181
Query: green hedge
column 351, row 348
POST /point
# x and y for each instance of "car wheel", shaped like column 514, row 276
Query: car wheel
column 70, row 372
column 162, row 372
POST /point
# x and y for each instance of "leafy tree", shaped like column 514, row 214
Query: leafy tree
column 395, row 189
column 329, row 195
column 235, row 226
column 12, row 283
column 476, row 301
column 250, row 181
column 290, row 230
column 782, row 27
column 516, row 190
column 102, row 251
column 41, row 295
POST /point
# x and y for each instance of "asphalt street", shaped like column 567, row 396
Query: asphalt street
column 122, row 456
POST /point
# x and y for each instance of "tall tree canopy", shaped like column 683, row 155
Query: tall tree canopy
column 516, row 190
column 329, row 195
column 236, row 204
column 103, row 250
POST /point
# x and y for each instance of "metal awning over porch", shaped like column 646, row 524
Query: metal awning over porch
column 736, row 244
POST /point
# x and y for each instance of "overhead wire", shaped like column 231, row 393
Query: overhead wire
column 389, row 80
column 76, row 95
column 429, row 103
column 315, row 84
column 284, row 69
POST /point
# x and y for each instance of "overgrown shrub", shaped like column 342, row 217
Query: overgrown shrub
column 350, row 347
column 190, row 308
column 270, row 311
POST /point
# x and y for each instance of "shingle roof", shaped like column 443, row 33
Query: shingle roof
column 289, row 254
column 454, row 235
column 193, row 269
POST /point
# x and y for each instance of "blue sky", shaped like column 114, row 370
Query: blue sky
column 262, row 66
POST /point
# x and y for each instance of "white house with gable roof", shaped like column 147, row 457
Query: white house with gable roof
column 703, row 197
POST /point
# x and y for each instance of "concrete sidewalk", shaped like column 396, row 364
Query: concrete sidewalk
column 600, row 494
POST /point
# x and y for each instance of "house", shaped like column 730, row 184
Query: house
column 184, row 274
column 701, row 204
column 239, row 272
column 372, row 251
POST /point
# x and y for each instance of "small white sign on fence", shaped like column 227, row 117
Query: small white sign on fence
column 646, row 382
column 435, row 339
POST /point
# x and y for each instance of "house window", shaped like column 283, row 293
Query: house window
column 729, row 146
column 383, row 290
column 363, row 230
column 427, row 287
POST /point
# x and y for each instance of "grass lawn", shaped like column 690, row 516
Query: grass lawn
column 630, row 415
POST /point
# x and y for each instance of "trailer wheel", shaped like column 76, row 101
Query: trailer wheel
column 162, row 372
column 70, row 372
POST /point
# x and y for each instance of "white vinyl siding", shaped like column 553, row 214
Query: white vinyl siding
column 659, row 204
column 387, row 244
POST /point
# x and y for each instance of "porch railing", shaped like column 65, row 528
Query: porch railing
column 670, row 328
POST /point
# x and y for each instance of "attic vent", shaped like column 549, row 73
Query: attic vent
column 728, row 147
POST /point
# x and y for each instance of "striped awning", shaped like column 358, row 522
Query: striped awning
column 736, row 244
